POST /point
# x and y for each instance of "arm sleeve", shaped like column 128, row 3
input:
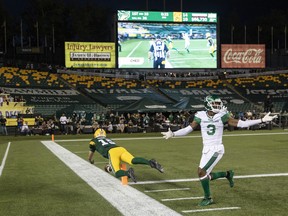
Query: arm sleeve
column 183, row 131
column 248, row 123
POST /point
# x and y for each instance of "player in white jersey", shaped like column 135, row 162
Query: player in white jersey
column 186, row 36
column 212, row 123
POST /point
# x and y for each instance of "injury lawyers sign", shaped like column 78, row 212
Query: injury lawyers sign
column 243, row 56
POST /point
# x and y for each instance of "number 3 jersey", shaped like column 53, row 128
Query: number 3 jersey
column 211, row 127
column 102, row 145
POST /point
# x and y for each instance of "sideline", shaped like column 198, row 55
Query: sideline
column 4, row 159
column 125, row 199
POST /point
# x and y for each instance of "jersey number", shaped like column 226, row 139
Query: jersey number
column 211, row 130
column 106, row 142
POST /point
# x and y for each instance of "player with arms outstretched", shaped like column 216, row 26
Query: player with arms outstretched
column 212, row 122
column 186, row 36
column 116, row 155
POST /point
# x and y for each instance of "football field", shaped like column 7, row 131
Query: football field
column 41, row 177
column 198, row 57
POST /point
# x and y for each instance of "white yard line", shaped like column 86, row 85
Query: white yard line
column 4, row 159
column 181, row 198
column 197, row 179
column 164, row 190
column 126, row 199
column 211, row 209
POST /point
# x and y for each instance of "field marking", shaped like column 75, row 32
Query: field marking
column 164, row 190
column 125, row 199
column 181, row 198
column 211, row 209
column 197, row 179
column 80, row 152
column 182, row 137
column 4, row 159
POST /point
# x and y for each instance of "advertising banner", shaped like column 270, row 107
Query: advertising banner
column 243, row 56
column 89, row 55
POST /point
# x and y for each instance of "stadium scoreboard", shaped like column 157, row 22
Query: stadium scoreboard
column 191, row 39
column 167, row 16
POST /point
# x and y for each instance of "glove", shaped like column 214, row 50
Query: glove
column 224, row 109
column 167, row 134
column 91, row 161
column 268, row 118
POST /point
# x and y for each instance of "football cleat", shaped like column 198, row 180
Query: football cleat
column 230, row 177
column 156, row 165
column 131, row 174
column 206, row 202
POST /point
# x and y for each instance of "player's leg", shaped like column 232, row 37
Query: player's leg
column 208, row 161
column 130, row 159
column 115, row 161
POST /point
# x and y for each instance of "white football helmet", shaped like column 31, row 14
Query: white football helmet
column 213, row 103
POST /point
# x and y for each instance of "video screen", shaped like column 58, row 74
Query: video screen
column 166, row 45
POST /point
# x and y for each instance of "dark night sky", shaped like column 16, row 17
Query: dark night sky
column 247, row 9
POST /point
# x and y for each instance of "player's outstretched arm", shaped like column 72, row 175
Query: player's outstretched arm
column 268, row 118
column 180, row 132
column 248, row 123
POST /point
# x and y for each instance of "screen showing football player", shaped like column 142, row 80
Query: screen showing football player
column 211, row 44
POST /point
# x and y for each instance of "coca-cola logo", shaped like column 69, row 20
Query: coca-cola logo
column 251, row 56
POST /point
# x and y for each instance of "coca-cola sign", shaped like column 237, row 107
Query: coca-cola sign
column 242, row 56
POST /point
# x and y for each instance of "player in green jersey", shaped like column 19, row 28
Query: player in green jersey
column 211, row 44
column 116, row 155
column 212, row 122
column 170, row 43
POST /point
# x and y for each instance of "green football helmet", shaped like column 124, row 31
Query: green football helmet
column 213, row 103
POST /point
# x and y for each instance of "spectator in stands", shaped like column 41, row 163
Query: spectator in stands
column 110, row 127
column 146, row 120
column 51, row 126
column 25, row 130
column 20, row 122
column 63, row 124
column 268, row 105
column 44, row 128
column 3, row 122
column 1, row 101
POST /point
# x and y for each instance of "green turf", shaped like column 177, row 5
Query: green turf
column 35, row 182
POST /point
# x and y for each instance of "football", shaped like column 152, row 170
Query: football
column 108, row 168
